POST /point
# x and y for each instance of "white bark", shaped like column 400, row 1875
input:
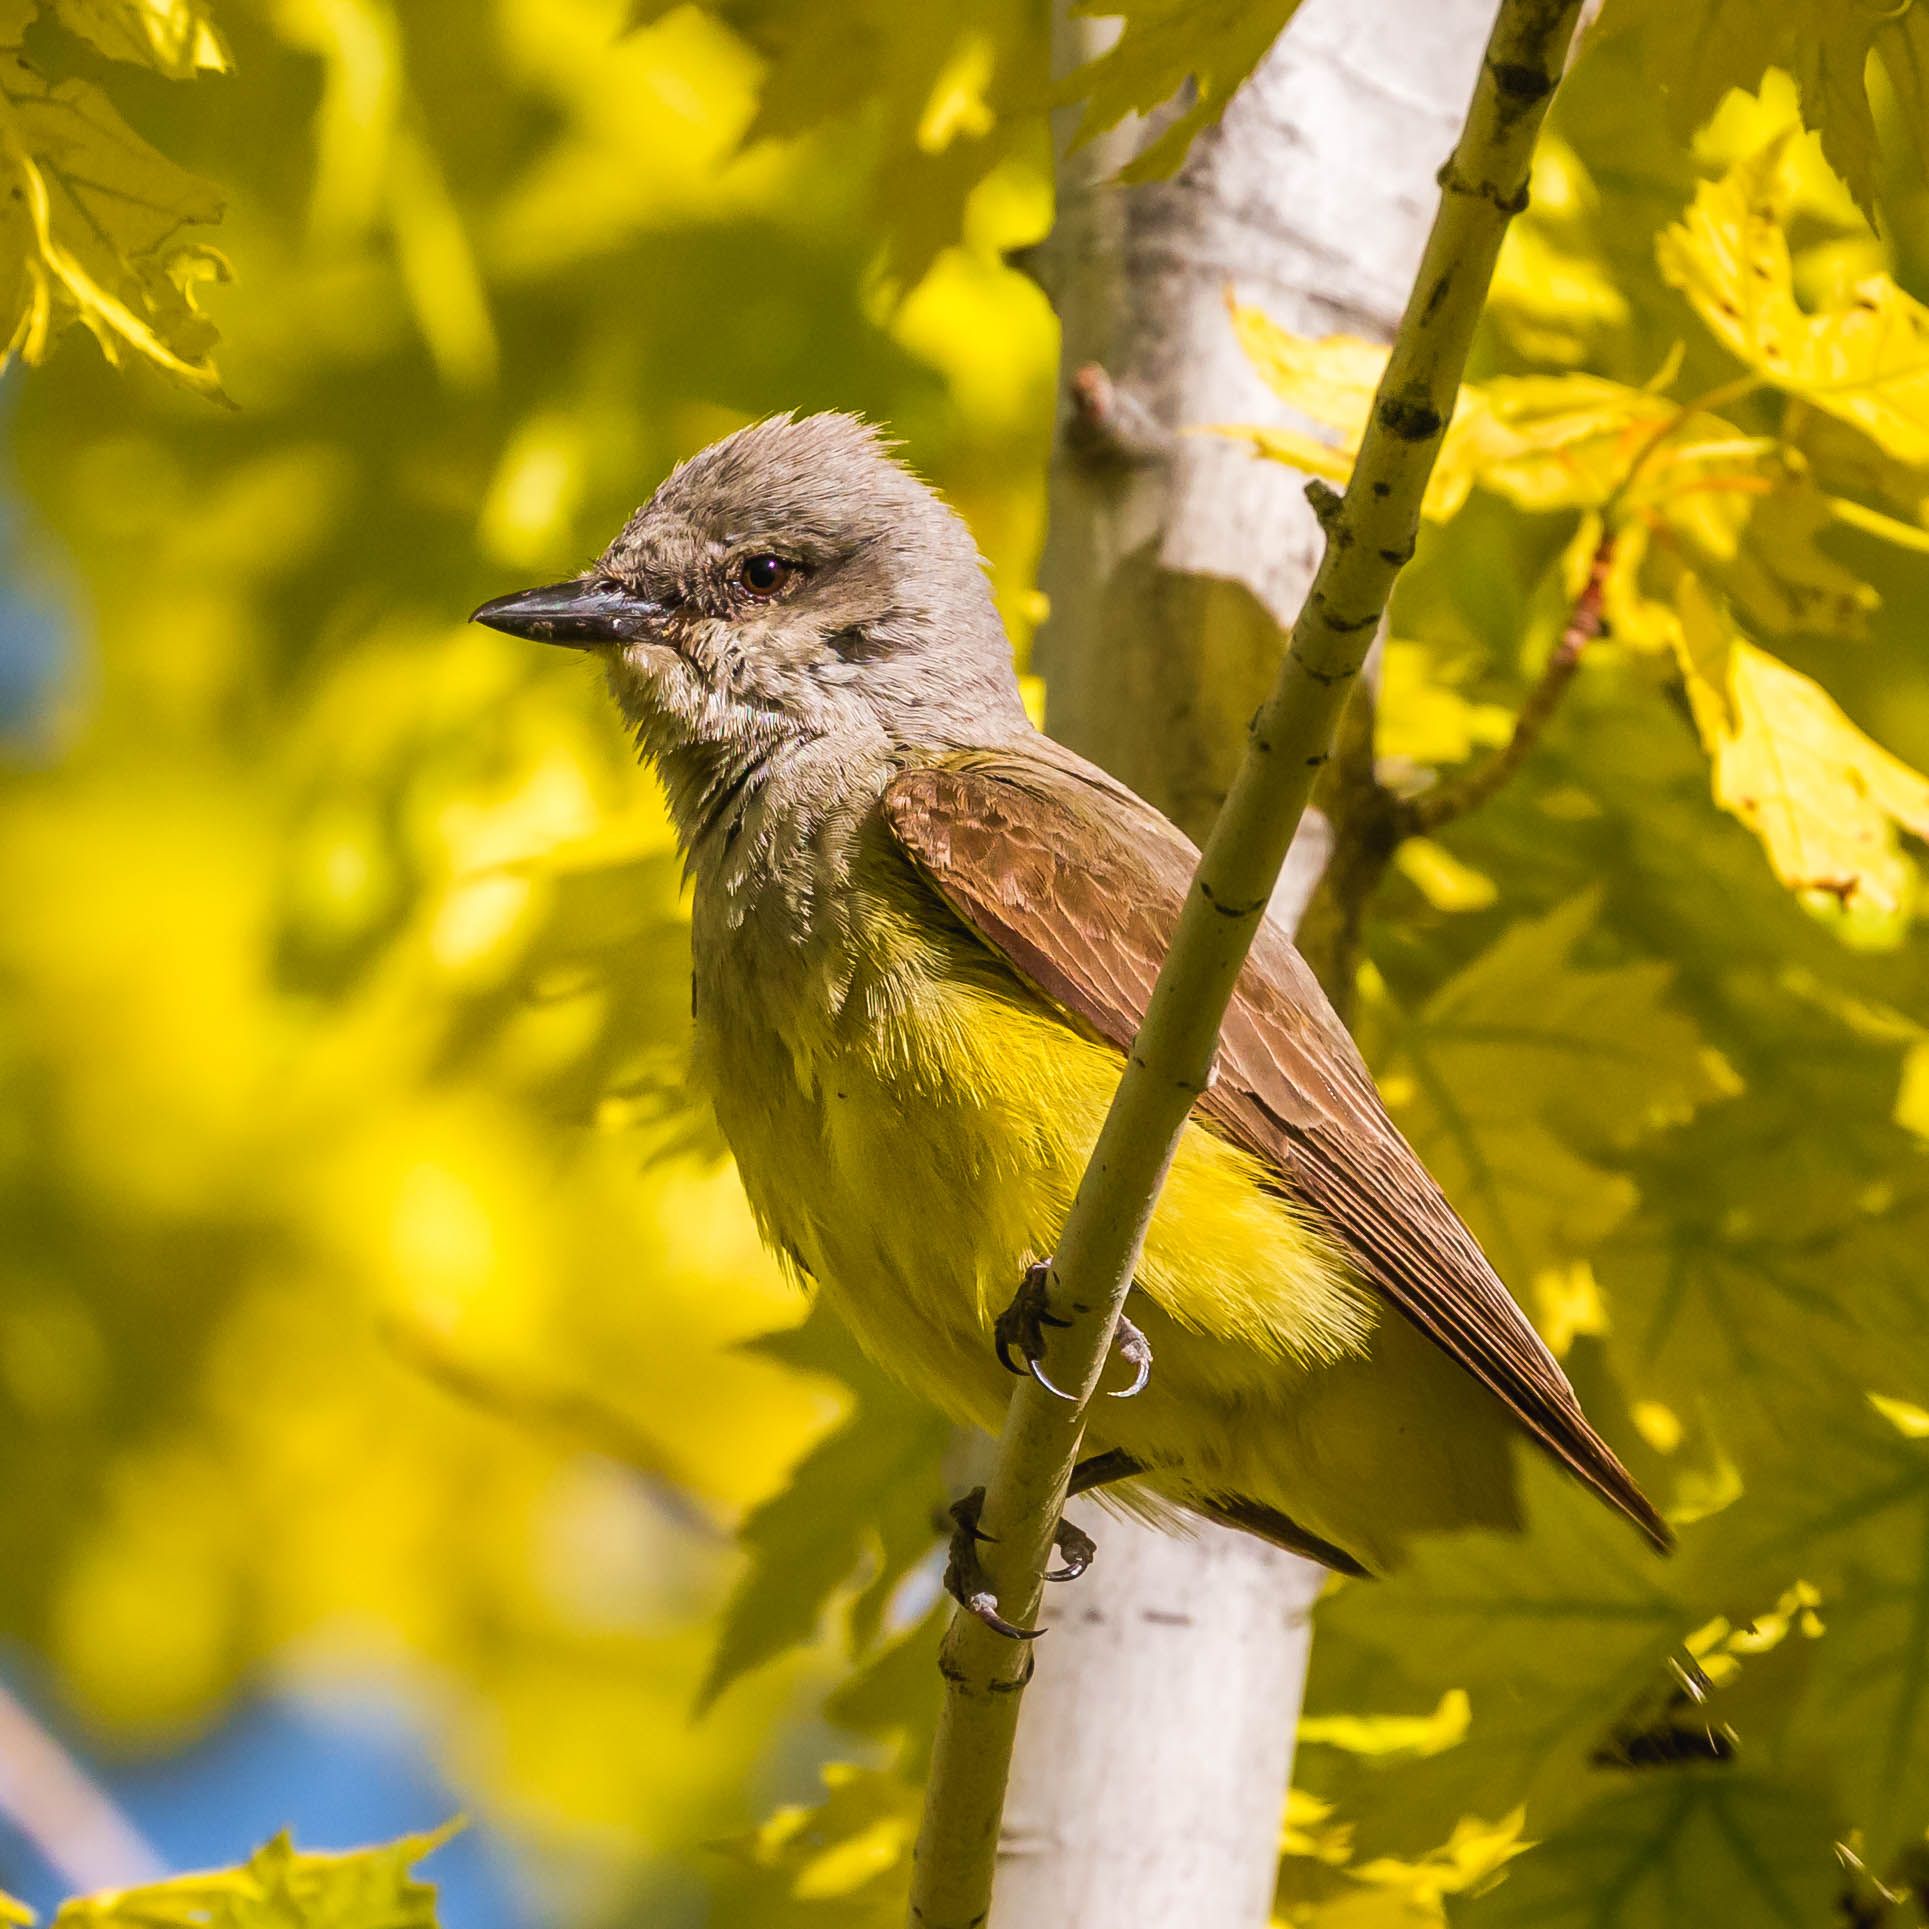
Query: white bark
column 1153, row 1760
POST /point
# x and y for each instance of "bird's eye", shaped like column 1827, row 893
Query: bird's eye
column 764, row 575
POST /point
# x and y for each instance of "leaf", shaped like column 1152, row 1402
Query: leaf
column 1847, row 1509
column 1524, row 1076
column 15, row 1914
column 1865, row 360
column 1692, row 55
column 1708, row 1846
column 842, row 1864
column 279, row 1887
column 1550, row 1630
column 1826, row 800
column 1163, row 45
column 91, row 222
column 860, row 1506
column 176, row 36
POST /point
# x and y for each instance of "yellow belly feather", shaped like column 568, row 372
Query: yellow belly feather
column 912, row 1136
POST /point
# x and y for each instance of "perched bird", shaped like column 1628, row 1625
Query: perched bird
column 923, row 936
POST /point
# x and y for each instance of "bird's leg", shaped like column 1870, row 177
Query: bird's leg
column 967, row 1583
column 1020, row 1329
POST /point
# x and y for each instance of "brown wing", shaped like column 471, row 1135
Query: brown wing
column 1077, row 883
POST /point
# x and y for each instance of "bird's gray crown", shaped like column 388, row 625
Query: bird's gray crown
column 793, row 583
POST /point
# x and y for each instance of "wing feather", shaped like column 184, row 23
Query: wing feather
column 1078, row 883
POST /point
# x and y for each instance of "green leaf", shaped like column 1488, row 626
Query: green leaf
column 279, row 1887
column 1864, row 358
column 842, row 1864
column 176, row 36
column 1708, row 1846
column 1692, row 54
column 1525, row 1076
column 1162, row 45
column 859, row 1510
column 91, row 230
column 1826, row 800
column 1847, row 1509
column 1551, row 1631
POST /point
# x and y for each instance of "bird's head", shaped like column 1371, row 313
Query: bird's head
column 793, row 579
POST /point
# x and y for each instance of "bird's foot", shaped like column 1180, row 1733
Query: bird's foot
column 1020, row 1330
column 967, row 1583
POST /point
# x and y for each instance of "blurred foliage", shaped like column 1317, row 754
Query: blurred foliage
column 278, row 1887
column 371, row 1301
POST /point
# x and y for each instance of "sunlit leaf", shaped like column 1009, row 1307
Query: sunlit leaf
column 177, row 36
column 91, row 230
column 280, row 1887
column 1826, row 800
column 1866, row 360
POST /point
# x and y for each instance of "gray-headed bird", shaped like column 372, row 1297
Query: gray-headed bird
column 923, row 936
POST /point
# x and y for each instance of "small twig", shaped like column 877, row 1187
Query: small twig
column 1108, row 424
column 1441, row 805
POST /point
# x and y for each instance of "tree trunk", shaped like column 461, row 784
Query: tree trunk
column 1153, row 1760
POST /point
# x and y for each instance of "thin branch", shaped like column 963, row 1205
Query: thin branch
column 1482, row 186
column 1444, row 802
column 71, row 1821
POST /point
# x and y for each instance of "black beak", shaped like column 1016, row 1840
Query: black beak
column 581, row 613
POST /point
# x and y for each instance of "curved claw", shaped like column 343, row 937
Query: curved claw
column 1057, row 1392
column 1079, row 1549
column 1132, row 1347
column 1020, row 1328
column 983, row 1604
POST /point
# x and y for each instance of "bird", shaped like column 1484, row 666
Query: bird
column 923, row 934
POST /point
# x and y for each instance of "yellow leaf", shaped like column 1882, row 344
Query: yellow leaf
column 1474, row 1852
column 280, row 1887
column 90, row 231
column 1908, row 1419
column 1865, row 360
column 1912, row 1095
column 177, row 36
column 1445, row 1728
column 1331, row 378
column 15, row 1914
column 1826, row 800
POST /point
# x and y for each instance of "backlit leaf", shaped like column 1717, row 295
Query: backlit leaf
column 279, row 1887
column 1865, row 359
column 1826, row 800
column 91, row 230
column 177, row 36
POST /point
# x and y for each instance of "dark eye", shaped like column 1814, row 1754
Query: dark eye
column 764, row 575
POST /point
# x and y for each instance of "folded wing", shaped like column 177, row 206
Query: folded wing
column 1077, row 883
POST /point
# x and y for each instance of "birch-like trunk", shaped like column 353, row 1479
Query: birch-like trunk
column 1156, row 1748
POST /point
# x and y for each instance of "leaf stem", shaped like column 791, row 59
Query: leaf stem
column 1370, row 537
column 1442, row 804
